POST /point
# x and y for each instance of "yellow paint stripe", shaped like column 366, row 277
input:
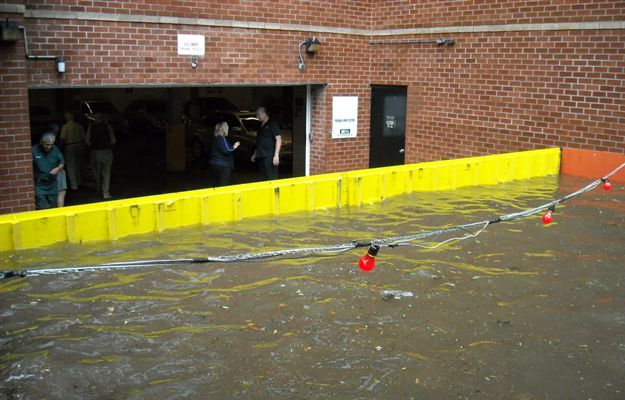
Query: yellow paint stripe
column 133, row 330
column 493, row 271
column 97, row 360
column 12, row 286
column 19, row 356
column 157, row 382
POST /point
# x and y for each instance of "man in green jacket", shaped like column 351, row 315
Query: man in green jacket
column 48, row 161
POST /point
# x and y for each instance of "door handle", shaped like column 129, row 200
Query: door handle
column 401, row 151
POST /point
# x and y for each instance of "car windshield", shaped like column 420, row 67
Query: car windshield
column 250, row 123
column 102, row 107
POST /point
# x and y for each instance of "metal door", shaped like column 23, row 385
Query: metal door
column 388, row 126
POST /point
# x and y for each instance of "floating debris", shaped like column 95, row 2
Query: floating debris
column 395, row 294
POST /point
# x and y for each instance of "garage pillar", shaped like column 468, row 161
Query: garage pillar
column 175, row 143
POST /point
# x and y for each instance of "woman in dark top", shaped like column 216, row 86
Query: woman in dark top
column 221, row 161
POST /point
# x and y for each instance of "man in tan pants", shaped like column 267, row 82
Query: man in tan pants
column 73, row 142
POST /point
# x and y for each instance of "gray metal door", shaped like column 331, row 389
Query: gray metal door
column 388, row 126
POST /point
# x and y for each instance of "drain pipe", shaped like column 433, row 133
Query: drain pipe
column 440, row 42
column 60, row 63
column 30, row 56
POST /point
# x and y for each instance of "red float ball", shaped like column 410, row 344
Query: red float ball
column 366, row 263
column 547, row 218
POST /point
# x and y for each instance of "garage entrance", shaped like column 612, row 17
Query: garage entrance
column 164, row 134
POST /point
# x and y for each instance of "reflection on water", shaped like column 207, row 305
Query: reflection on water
column 523, row 311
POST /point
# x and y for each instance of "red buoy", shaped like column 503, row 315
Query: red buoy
column 367, row 262
column 547, row 218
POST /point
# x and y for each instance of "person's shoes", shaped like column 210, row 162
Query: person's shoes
column 106, row 196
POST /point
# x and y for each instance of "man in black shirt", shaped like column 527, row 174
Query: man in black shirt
column 100, row 138
column 268, row 143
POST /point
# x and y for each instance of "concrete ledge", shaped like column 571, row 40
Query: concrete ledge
column 12, row 8
column 116, row 219
column 155, row 19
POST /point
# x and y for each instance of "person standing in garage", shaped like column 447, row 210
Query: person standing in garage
column 61, row 178
column 48, row 162
column 221, row 161
column 268, row 143
column 100, row 138
column 73, row 141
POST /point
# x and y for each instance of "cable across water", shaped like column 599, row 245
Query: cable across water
column 391, row 242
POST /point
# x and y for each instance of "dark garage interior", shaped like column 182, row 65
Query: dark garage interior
column 163, row 133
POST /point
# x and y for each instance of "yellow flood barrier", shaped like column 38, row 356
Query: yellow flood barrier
column 116, row 219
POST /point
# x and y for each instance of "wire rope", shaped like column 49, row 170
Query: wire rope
column 391, row 242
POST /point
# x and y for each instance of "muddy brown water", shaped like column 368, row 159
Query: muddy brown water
column 523, row 311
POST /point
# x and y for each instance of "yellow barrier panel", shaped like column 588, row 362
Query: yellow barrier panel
column 116, row 219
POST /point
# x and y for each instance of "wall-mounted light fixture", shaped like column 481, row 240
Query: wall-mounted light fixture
column 312, row 45
column 60, row 65
column 442, row 42
column 194, row 63
column 9, row 32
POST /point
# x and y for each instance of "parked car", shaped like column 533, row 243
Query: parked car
column 193, row 110
column 148, row 116
column 88, row 109
column 40, row 120
column 243, row 126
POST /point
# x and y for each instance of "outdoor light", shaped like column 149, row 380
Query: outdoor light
column 312, row 46
column 194, row 63
column 60, row 65
column 367, row 262
column 442, row 42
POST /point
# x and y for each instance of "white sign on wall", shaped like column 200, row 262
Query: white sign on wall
column 344, row 116
column 191, row 45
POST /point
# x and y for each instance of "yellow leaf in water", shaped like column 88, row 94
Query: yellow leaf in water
column 418, row 356
column 267, row 345
column 506, row 303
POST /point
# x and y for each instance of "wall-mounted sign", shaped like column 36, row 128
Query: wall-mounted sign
column 191, row 45
column 344, row 117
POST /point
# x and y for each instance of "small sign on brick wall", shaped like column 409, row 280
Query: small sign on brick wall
column 344, row 117
column 191, row 45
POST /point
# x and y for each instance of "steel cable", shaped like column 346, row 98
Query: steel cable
column 390, row 242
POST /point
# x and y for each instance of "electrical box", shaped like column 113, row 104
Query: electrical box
column 10, row 31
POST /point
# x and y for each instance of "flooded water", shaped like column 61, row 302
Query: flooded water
column 523, row 311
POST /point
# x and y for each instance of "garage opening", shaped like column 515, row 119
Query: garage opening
column 164, row 134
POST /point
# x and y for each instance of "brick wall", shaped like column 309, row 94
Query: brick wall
column 492, row 92
column 500, row 92
column 16, row 190
column 394, row 14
